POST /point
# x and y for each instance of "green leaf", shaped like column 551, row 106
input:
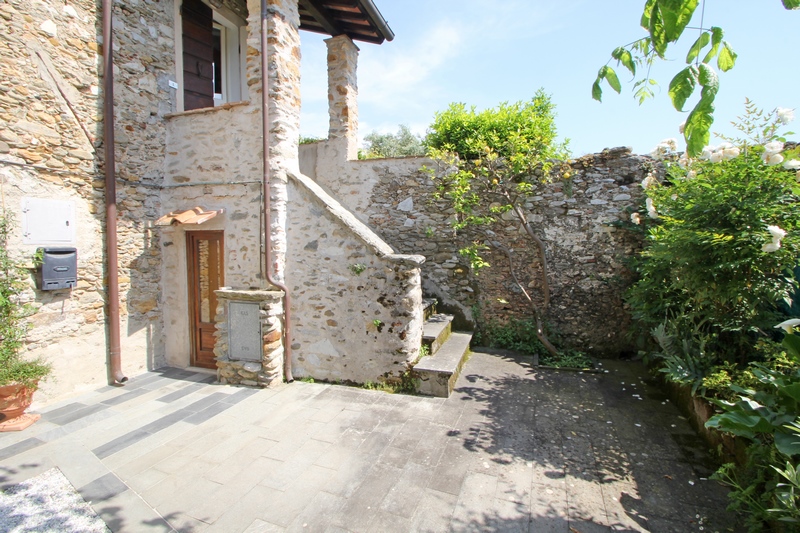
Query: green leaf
column 791, row 4
column 647, row 13
column 698, row 125
column 791, row 391
column 597, row 91
column 698, row 45
column 716, row 40
column 612, row 79
column 787, row 443
column 676, row 14
column 742, row 424
column 658, row 36
column 624, row 56
column 792, row 344
column 682, row 86
column 727, row 58
column 708, row 79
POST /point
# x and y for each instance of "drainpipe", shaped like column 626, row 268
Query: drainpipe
column 116, row 377
column 287, row 329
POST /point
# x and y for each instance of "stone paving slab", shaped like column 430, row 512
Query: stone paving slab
column 513, row 449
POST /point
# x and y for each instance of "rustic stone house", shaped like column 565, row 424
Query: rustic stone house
column 186, row 162
column 175, row 160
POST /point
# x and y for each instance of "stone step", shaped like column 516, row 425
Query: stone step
column 435, row 331
column 428, row 307
column 438, row 373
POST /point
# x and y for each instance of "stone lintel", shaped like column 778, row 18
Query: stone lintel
column 248, row 295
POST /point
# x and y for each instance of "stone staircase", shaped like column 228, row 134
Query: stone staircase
column 448, row 351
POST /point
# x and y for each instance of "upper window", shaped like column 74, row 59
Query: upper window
column 213, row 65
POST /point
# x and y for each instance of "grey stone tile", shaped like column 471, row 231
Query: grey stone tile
column 76, row 414
column 120, row 443
column 125, row 396
column 127, row 512
column 316, row 517
column 474, row 507
column 20, row 447
column 434, row 512
column 102, row 488
column 240, row 395
column 208, row 413
column 407, row 491
column 180, row 393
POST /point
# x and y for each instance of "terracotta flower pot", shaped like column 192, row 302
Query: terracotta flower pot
column 14, row 400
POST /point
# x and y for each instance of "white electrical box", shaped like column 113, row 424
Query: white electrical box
column 48, row 222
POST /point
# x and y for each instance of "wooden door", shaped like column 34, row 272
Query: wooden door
column 206, row 274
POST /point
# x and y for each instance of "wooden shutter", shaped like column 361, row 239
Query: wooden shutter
column 198, row 55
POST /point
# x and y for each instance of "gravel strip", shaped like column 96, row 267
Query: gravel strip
column 47, row 503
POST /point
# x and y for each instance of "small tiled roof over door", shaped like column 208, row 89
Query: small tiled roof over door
column 358, row 19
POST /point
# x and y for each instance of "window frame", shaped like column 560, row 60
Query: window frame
column 234, row 45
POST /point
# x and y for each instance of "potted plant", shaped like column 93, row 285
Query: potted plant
column 19, row 377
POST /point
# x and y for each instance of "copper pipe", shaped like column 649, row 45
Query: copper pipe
column 287, row 329
column 116, row 377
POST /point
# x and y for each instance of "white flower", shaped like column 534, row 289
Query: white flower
column 788, row 325
column 776, row 232
column 716, row 157
column 730, row 153
column 785, row 115
column 772, row 159
column 774, row 147
column 651, row 208
column 771, row 247
column 691, row 174
column 636, row 219
column 707, row 151
column 649, row 181
column 792, row 164
column 682, row 127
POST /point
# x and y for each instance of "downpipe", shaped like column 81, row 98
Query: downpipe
column 116, row 377
column 287, row 348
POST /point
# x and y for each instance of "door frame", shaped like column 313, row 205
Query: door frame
column 193, row 288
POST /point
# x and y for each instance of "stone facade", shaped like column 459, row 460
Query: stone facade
column 582, row 222
column 357, row 304
column 51, row 124
column 168, row 160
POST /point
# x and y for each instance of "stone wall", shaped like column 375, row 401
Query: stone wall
column 580, row 220
column 51, row 125
column 356, row 304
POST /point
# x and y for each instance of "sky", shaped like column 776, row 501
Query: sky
column 485, row 52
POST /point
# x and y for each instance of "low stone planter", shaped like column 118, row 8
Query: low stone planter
column 699, row 411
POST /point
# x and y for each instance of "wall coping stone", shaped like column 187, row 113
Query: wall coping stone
column 380, row 247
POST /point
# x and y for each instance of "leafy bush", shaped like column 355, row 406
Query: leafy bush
column 401, row 144
column 13, row 368
column 522, row 129
column 705, row 268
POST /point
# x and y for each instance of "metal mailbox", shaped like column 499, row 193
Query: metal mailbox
column 59, row 268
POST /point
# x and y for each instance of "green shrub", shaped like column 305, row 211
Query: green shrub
column 13, row 368
column 704, row 268
column 522, row 129
column 404, row 143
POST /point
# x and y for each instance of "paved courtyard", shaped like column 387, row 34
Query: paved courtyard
column 513, row 449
